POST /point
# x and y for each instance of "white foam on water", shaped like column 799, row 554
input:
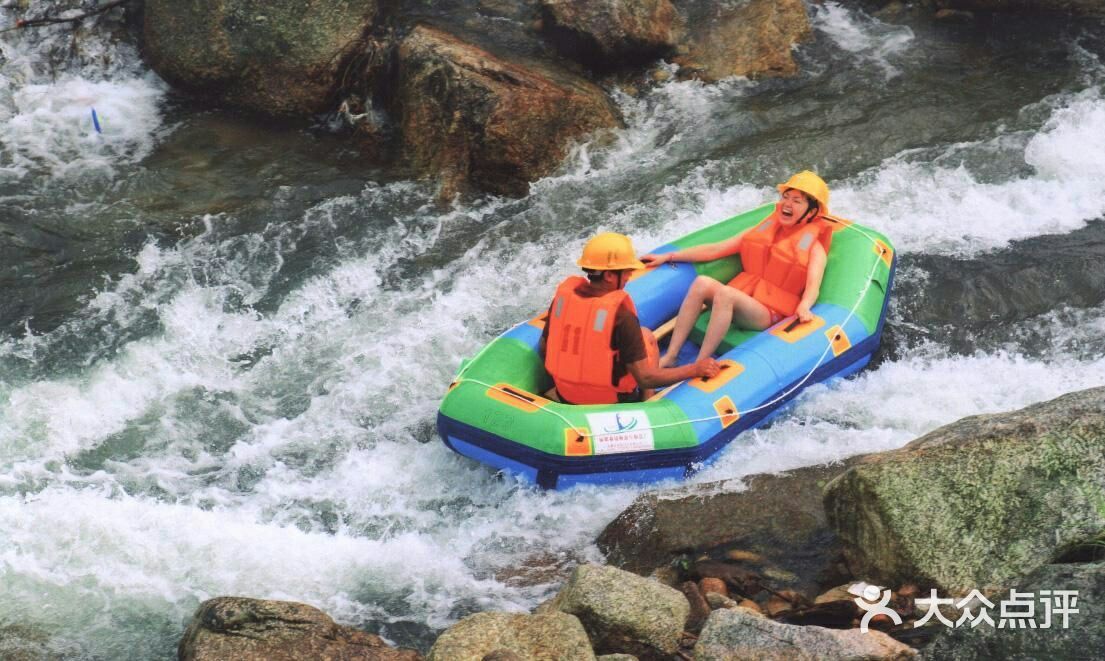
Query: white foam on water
column 931, row 208
column 862, row 36
column 50, row 126
column 885, row 408
column 51, row 78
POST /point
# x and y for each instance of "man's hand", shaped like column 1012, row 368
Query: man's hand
column 656, row 260
column 707, row 368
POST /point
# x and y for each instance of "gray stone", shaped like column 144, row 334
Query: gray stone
column 732, row 635
column 623, row 612
column 778, row 519
column 979, row 503
column 542, row 637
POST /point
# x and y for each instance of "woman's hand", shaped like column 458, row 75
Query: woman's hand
column 656, row 260
column 803, row 312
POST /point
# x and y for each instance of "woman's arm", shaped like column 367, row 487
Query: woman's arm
column 703, row 253
column 814, row 275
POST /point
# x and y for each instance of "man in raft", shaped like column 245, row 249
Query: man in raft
column 782, row 259
column 593, row 344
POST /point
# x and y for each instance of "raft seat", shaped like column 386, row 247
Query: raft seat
column 734, row 338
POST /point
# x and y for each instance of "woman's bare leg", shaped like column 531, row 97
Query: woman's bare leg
column 732, row 306
column 702, row 289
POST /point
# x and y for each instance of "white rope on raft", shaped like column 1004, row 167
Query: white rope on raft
column 583, row 432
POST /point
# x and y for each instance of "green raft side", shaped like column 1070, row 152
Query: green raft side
column 510, row 361
column 851, row 258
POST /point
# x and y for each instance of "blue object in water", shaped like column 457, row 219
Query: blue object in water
column 96, row 121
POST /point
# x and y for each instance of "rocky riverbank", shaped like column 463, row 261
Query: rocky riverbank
column 480, row 94
column 1001, row 516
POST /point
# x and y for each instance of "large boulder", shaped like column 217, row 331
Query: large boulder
column 733, row 635
column 623, row 612
column 754, row 38
column 779, row 518
column 979, row 503
column 259, row 630
column 608, row 33
column 275, row 57
column 550, row 636
column 1085, row 630
column 472, row 117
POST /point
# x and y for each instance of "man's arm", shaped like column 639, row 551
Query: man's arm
column 648, row 376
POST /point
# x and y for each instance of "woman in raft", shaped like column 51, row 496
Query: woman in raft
column 783, row 260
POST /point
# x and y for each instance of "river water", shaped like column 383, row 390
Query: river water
column 222, row 345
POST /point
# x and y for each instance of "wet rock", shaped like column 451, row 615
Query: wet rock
column 1086, row 630
column 954, row 16
column 616, row 657
column 708, row 585
column 278, row 57
column 603, row 34
column 547, row 636
column 754, row 38
column 472, row 118
column 1085, row 7
column 987, row 294
column 730, row 635
column 778, row 519
column 700, row 609
column 623, row 612
column 260, row 630
column 978, row 503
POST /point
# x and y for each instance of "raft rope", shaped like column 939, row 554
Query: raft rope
column 545, row 407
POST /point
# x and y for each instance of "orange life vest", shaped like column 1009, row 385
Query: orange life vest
column 577, row 351
column 775, row 261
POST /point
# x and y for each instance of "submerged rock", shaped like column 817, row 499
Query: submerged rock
column 276, row 57
column 978, row 503
column 730, row 635
column 260, row 630
column 607, row 33
column 549, row 636
column 472, row 117
column 778, row 524
column 755, row 38
column 623, row 612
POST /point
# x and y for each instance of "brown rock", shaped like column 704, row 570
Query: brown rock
column 750, row 605
column 708, row 585
column 469, row 117
column 700, row 609
column 738, row 555
column 753, row 38
column 279, row 58
column 259, row 630
column 953, row 16
column 607, row 33
column 502, row 655
column 776, row 606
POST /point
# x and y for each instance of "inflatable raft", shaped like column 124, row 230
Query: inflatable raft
column 498, row 411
